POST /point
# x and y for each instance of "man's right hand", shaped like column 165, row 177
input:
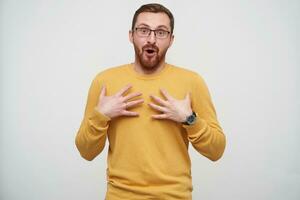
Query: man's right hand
column 117, row 105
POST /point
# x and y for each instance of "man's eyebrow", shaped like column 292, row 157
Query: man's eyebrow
column 142, row 24
column 160, row 26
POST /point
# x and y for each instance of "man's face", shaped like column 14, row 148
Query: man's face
column 150, row 51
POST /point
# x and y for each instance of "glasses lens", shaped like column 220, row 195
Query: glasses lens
column 143, row 31
column 161, row 33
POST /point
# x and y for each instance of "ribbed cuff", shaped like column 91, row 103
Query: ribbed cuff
column 98, row 120
column 194, row 129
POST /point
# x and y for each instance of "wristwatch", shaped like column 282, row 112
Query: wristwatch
column 190, row 120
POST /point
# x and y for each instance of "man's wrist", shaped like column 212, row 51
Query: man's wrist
column 190, row 119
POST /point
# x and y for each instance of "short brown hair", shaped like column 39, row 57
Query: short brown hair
column 154, row 8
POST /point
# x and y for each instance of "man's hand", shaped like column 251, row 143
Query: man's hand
column 171, row 108
column 117, row 105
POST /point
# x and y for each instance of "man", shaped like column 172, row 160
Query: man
column 149, row 111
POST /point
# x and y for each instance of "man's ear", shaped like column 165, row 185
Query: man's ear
column 130, row 36
column 171, row 40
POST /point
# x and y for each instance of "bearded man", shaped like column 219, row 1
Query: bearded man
column 149, row 111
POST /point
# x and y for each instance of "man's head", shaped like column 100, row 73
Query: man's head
column 151, row 34
column 153, row 8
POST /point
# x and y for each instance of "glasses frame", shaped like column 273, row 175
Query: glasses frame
column 154, row 31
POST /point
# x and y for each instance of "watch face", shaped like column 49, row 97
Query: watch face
column 191, row 119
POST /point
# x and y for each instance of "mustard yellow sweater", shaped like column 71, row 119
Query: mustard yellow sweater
column 148, row 158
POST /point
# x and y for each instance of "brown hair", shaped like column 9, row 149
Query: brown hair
column 154, row 8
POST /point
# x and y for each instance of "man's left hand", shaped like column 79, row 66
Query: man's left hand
column 171, row 108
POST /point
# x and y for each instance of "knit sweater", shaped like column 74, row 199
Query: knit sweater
column 148, row 158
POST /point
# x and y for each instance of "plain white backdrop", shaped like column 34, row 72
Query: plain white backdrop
column 247, row 51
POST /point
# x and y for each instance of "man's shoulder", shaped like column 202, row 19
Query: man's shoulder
column 185, row 72
column 112, row 71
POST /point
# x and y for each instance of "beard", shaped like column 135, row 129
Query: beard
column 148, row 61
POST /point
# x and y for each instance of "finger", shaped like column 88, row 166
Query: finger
column 103, row 91
column 129, row 113
column 132, row 95
column 159, row 100
column 166, row 94
column 156, row 107
column 123, row 90
column 134, row 103
column 161, row 116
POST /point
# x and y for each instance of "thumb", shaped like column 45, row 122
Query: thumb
column 188, row 97
column 103, row 91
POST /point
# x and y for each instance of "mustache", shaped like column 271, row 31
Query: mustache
column 150, row 46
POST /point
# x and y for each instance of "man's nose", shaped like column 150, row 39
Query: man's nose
column 151, row 38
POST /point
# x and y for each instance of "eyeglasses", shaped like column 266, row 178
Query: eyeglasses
column 146, row 32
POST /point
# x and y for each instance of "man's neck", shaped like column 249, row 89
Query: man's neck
column 148, row 71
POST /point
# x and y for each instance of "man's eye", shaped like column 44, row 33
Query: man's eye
column 144, row 30
column 160, row 32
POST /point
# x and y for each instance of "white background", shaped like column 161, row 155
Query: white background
column 247, row 51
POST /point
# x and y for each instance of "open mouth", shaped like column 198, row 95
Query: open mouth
column 150, row 51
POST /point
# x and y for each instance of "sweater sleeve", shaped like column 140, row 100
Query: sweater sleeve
column 205, row 135
column 91, row 136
